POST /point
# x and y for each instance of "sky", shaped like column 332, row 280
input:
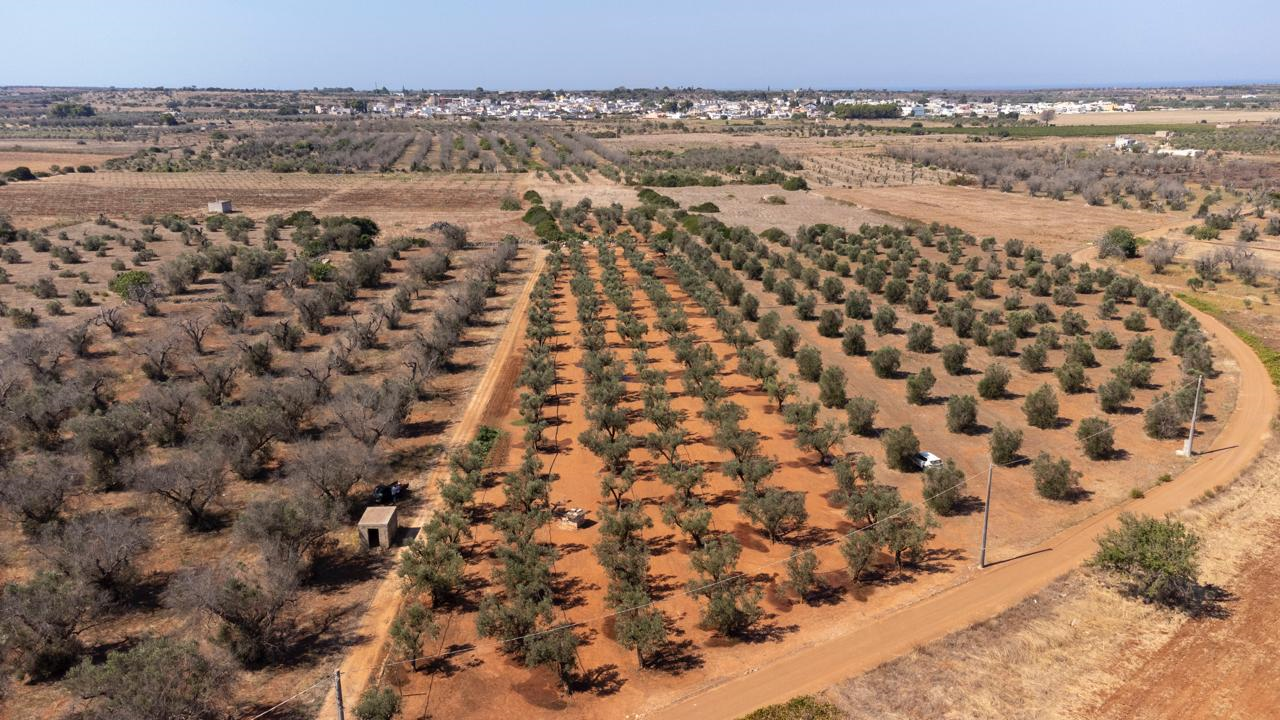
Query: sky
column 600, row 44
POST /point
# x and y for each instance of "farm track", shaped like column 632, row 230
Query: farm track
column 1002, row 585
column 361, row 662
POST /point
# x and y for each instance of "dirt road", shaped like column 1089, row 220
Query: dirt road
column 362, row 661
column 1001, row 585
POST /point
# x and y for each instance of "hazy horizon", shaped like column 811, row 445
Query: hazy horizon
column 500, row 45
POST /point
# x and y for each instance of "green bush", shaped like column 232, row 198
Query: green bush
column 900, row 448
column 831, row 388
column 944, row 488
column 919, row 385
column 1159, row 559
column 994, row 382
column 1004, row 444
column 920, row 338
column 829, row 323
column 962, row 413
column 124, row 283
column 885, row 361
column 854, row 341
column 1113, row 394
column 861, row 412
column 1097, row 438
column 785, row 340
column 1041, row 408
column 954, row 356
column 809, row 363
column 1055, row 480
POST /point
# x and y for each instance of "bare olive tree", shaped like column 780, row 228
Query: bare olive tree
column 191, row 481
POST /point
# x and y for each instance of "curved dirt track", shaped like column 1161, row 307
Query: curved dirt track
column 1000, row 586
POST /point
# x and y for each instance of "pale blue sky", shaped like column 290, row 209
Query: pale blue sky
column 505, row 44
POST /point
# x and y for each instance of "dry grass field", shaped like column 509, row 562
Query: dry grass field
column 397, row 202
column 1079, row 649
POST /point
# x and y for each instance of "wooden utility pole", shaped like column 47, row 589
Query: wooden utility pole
column 986, row 517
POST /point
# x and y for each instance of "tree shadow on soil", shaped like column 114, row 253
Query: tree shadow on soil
column 602, row 680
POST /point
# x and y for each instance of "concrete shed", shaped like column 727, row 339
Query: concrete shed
column 378, row 526
column 220, row 206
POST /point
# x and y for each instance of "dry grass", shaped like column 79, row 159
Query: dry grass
column 1060, row 653
column 1167, row 117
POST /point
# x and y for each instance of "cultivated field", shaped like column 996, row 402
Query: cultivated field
column 465, row 662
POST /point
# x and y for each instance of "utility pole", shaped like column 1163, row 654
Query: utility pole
column 1186, row 450
column 986, row 517
column 337, row 687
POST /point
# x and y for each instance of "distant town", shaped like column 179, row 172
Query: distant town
column 581, row 106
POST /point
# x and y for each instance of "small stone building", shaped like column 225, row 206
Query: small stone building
column 378, row 526
column 220, row 206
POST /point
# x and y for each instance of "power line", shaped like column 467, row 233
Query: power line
column 289, row 699
column 692, row 591
column 698, row 590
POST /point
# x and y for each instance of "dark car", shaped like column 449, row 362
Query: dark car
column 389, row 494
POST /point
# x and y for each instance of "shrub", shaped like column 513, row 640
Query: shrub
column 157, row 678
column 1113, row 394
column 1163, row 420
column 1118, row 242
column 1157, row 558
column 124, row 283
column 378, row 704
column 962, row 413
column 1041, row 407
column 809, row 363
column 900, row 447
column 920, row 338
column 886, row 361
column 1097, row 438
column 1140, row 350
column 1071, row 377
column 1105, row 340
column 831, row 388
column 1055, row 479
column 768, row 325
column 1002, row 343
column 854, row 341
column 944, row 488
column 806, row 304
column 862, row 415
column 885, row 320
column 919, row 386
column 40, row 620
column 1033, row 357
column 785, row 340
column 829, row 324
column 994, row 382
column 954, row 356
column 1004, row 444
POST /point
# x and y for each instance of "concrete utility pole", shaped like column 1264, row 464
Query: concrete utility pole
column 986, row 517
column 337, row 687
column 1186, row 450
